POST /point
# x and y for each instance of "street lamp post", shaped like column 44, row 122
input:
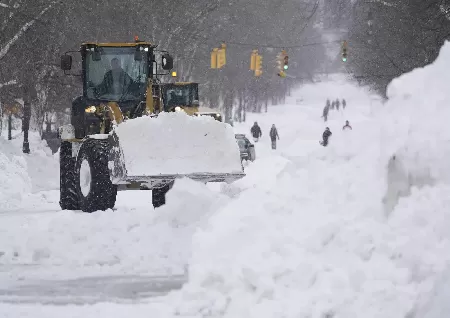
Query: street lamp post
column 26, row 126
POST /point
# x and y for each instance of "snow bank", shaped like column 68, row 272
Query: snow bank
column 418, row 129
column 135, row 239
column 319, row 243
column 42, row 165
column 15, row 183
column 175, row 143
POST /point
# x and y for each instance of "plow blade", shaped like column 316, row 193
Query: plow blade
column 153, row 152
column 159, row 181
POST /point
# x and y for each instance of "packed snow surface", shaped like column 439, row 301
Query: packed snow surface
column 175, row 143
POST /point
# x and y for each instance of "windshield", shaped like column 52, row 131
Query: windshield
column 117, row 76
column 180, row 95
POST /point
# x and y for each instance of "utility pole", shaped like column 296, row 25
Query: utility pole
column 26, row 124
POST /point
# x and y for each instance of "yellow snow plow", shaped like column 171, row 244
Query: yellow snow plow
column 115, row 143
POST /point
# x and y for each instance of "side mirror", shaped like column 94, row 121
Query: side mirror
column 167, row 62
column 66, row 62
column 153, row 68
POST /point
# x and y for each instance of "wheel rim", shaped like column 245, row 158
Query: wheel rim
column 85, row 178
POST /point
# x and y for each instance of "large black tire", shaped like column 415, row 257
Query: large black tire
column 101, row 194
column 159, row 195
column 68, row 196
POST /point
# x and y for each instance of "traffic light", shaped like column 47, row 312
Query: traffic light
column 219, row 57
column 214, row 58
column 258, row 66
column 281, row 61
column 344, row 51
column 286, row 62
column 253, row 60
column 222, row 56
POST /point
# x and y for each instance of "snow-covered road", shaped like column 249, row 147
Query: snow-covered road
column 342, row 231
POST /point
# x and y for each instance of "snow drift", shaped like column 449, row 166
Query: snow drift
column 319, row 243
column 175, row 143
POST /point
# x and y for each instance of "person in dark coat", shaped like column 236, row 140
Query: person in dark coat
column 347, row 126
column 326, row 109
column 273, row 136
column 116, row 81
column 338, row 103
column 326, row 134
column 256, row 132
column 344, row 104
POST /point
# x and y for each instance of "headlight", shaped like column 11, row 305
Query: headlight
column 178, row 109
column 90, row 109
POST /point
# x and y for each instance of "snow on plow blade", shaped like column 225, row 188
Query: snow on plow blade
column 157, row 150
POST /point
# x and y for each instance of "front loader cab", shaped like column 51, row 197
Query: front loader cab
column 180, row 96
column 117, row 78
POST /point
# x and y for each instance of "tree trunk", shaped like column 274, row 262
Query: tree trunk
column 9, row 126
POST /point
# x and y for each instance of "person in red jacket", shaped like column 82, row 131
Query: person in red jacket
column 347, row 126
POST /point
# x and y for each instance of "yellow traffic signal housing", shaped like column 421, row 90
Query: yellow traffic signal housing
column 282, row 74
column 253, row 60
column 222, row 56
column 214, row 54
column 258, row 66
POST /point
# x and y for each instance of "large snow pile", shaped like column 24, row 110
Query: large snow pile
column 42, row 165
column 417, row 127
column 175, row 143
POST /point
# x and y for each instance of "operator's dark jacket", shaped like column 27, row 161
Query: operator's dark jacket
column 256, row 131
column 108, row 81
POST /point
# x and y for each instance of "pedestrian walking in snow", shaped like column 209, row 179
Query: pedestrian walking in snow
column 325, row 136
column 273, row 136
column 326, row 109
column 338, row 103
column 256, row 132
column 333, row 103
column 347, row 126
column 344, row 104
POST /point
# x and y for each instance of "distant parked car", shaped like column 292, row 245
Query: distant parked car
column 246, row 148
